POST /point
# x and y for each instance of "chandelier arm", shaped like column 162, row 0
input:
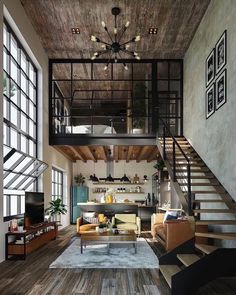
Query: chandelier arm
column 130, row 41
column 103, row 42
column 109, row 60
column 116, row 28
column 127, row 52
column 109, row 34
column 103, row 52
column 125, row 28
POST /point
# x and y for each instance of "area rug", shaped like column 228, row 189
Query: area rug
column 95, row 256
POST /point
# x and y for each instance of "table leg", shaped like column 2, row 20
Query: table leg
column 108, row 248
column 135, row 246
column 81, row 246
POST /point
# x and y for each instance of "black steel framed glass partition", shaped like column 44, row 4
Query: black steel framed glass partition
column 86, row 99
column 57, row 184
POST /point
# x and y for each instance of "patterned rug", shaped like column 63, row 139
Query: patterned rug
column 95, row 256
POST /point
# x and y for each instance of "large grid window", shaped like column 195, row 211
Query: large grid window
column 19, row 109
column 57, row 184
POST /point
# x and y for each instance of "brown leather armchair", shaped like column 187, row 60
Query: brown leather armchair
column 171, row 233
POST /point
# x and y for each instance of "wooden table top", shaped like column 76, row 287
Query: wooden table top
column 109, row 236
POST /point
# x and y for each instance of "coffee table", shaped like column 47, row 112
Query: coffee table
column 127, row 237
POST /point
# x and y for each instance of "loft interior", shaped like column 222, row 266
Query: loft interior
column 118, row 171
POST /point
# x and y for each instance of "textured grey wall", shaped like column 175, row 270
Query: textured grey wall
column 215, row 138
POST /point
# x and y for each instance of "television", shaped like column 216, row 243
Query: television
column 34, row 208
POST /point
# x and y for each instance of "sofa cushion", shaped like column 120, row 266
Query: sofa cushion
column 127, row 226
column 124, row 218
column 170, row 214
column 87, row 227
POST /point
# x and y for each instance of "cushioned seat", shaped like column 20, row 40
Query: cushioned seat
column 171, row 233
column 83, row 228
column 127, row 222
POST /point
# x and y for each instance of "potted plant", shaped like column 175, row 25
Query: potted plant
column 159, row 165
column 56, row 209
column 101, row 227
column 139, row 108
column 79, row 179
column 20, row 225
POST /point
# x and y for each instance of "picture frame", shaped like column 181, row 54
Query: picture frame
column 221, row 53
column 221, row 89
column 210, row 67
column 210, row 101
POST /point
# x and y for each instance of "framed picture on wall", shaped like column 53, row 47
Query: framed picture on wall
column 221, row 93
column 210, row 101
column 221, row 52
column 210, row 67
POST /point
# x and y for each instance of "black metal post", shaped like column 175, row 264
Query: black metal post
column 189, row 188
column 174, row 163
column 164, row 143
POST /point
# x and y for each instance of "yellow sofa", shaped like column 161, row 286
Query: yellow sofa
column 127, row 222
column 83, row 228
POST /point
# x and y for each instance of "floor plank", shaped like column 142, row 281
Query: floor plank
column 33, row 276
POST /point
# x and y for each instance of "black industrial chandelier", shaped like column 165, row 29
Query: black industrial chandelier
column 116, row 46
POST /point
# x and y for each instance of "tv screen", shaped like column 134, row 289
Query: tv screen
column 34, row 208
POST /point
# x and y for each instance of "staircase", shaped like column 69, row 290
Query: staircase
column 202, row 196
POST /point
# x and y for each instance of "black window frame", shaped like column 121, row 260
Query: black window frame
column 26, row 84
column 57, row 174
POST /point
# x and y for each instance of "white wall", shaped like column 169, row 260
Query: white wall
column 17, row 18
column 215, row 138
column 142, row 168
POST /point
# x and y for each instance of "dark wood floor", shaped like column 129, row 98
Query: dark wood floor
column 33, row 277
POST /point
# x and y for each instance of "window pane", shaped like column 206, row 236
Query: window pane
column 31, row 128
column 23, row 83
column 23, row 123
column 13, row 209
column 14, row 48
column 23, row 103
column 5, row 61
column 23, row 62
column 22, row 203
column 14, row 72
column 31, row 148
column 13, row 92
column 13, row 136
column 5, row 205
column 23, row 144
column 14, row 114
column 31, row 110
column 5, row 36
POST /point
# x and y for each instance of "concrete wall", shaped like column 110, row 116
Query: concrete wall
column 15, row 15
column 215, row 138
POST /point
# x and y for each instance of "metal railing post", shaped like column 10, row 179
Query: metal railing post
column 164, row 143
column 174, row 163
column 189, row 188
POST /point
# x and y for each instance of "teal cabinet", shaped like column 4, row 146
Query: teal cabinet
column 79, row 194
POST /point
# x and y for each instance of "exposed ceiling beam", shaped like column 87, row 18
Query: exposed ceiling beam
column 141, row 153
column 58, row 148
column 129, row 153
column 104, row 154
column 90, row 153
column 116, row 153
column 77, row 154
column 153, row 154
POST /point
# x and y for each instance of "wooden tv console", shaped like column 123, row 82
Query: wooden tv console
column 19, row 244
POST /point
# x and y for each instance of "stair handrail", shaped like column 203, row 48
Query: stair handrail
column 175, row 143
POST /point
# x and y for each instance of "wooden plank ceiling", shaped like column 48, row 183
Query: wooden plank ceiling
column 116, row 153
column 176, row 22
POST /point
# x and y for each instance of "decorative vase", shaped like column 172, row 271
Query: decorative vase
column 109, row 199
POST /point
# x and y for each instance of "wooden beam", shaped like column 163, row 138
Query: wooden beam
column 104, row 154
column 129, row 154
column 77, row 154
column 153, row 154
column 141, row 153
column 58, row 148
column 90, row 153
column 116, row 153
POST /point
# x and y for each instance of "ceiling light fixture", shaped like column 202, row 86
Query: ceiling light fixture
column 116, row 46
column 75, row 31
column 152, row 31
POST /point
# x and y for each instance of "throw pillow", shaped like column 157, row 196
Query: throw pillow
column 172, row 215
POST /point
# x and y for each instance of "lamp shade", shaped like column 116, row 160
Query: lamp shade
column 124, row 178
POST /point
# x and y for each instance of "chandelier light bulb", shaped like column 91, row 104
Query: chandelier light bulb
column 137, row 57
column 135, row 53
column 103, row 24
column 103, row 46
column 126, row 68
column 105, row 68
column 127, row 24
column 93, row 57
column 95, row 53
column 127, row 46
column 93, row 38
column 115, row 31
column 137, row 38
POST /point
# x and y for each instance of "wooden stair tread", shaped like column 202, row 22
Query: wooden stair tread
column 200, row 165
column 214, row 210
column 207, row 249
column 168, row 271
column 188, row 259
column 196, row 177
column 215, row 222
column 199, row 184
column 220, row 236
column 206, row 192
column 209, row 201
column 200, row 170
